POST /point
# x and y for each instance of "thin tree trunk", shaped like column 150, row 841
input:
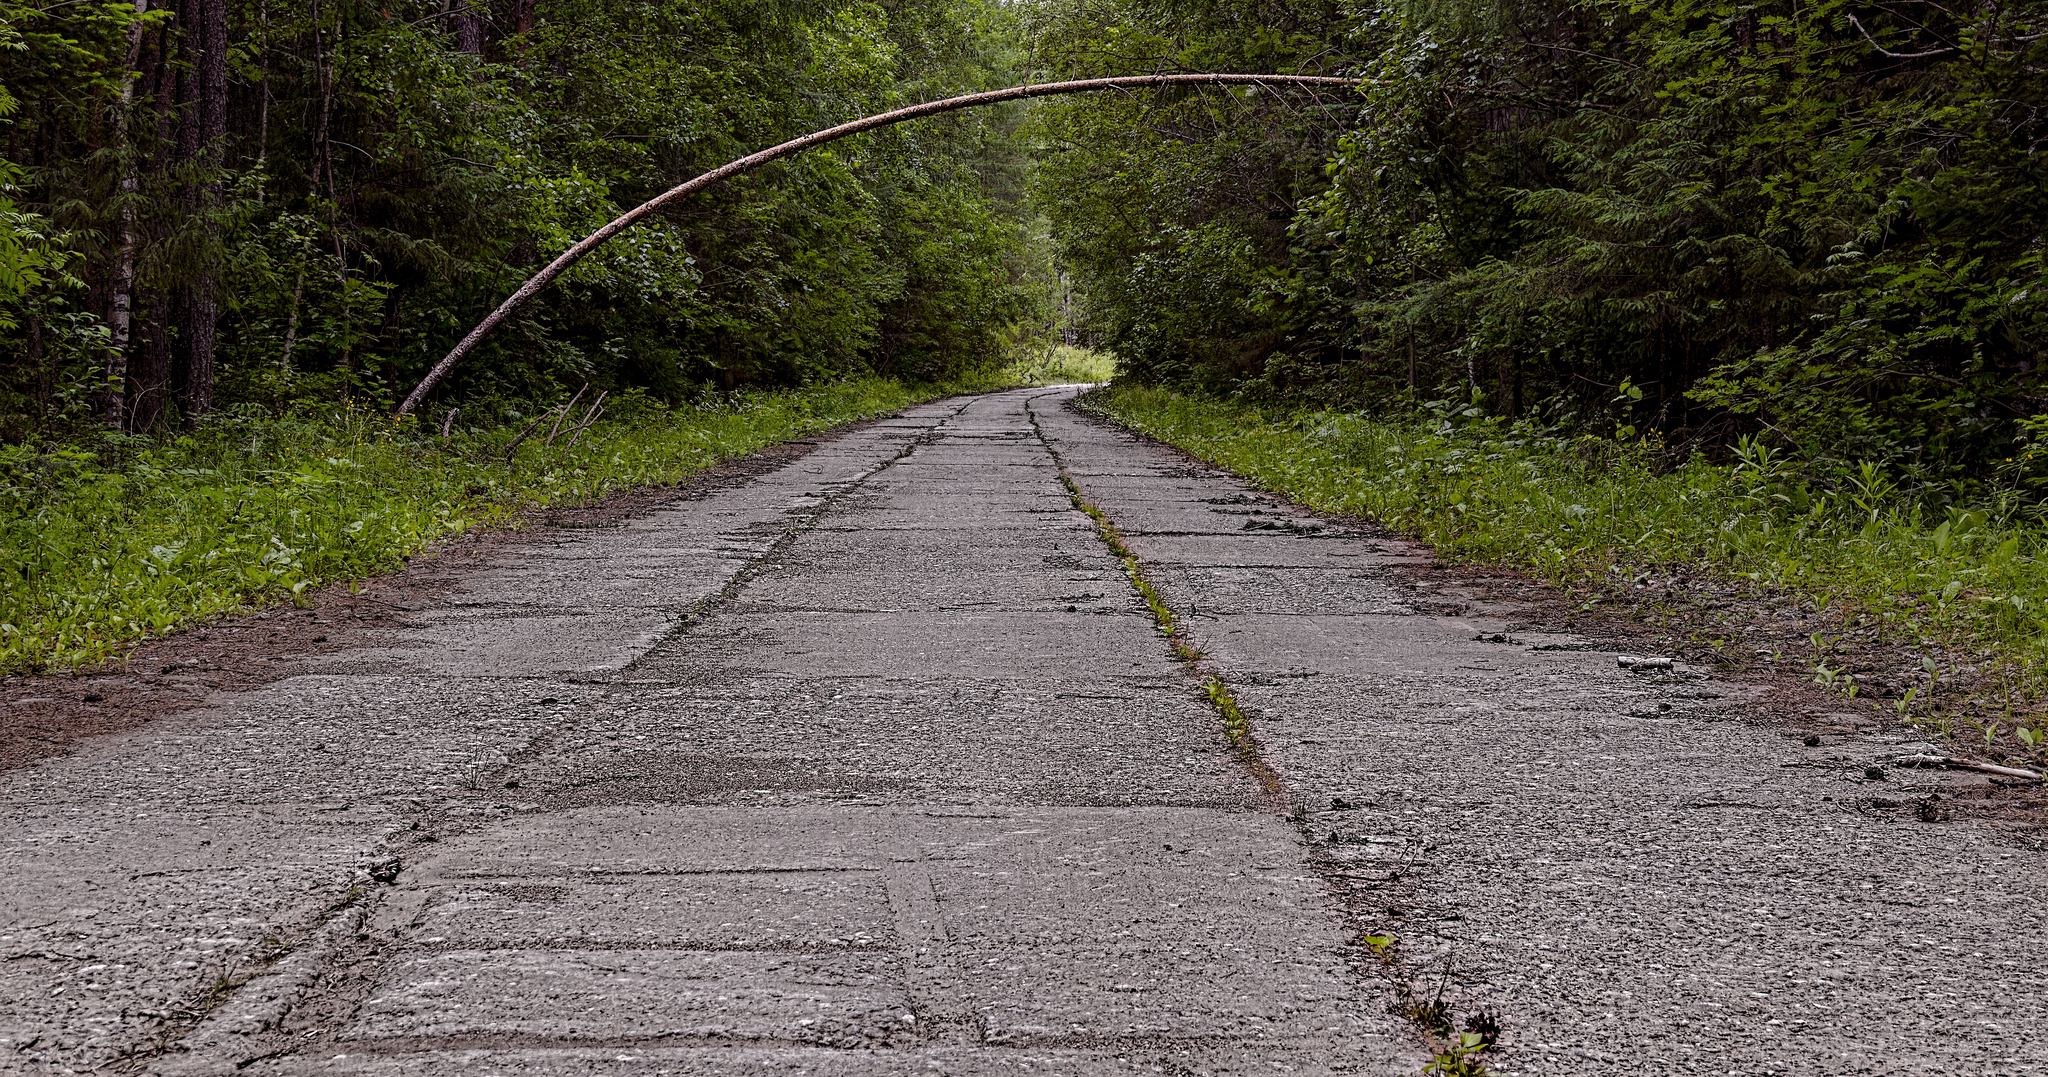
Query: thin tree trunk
column 718, row 175
column 149, row 363
column 325, row 76
column 36, row 364
column 1411, row 359
column 468, row 26
column 185, row 160
column 212, row 60
column 149, row 369
column 291, row 323
column 120, row 303
column 263, row 90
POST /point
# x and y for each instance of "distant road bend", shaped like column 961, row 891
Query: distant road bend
column 878, row 765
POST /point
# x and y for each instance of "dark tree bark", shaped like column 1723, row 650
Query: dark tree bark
column 468, row 26
column 154, row 307
column 202, row 132
column 149, row 363
column 184, row 110
column 149, row 358
column 324, row 144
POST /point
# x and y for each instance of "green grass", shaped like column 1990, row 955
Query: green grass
column 102, row 549
column 1061, row 364
column 1968, row 585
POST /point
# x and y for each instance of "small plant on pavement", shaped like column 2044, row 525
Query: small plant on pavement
column 1460, row 1058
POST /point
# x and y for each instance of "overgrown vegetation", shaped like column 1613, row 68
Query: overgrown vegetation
column 1964, row 591
column 1746, row 283
column 1059, row 364
column 110, row 543
column 1816, row 225
column 302, row 205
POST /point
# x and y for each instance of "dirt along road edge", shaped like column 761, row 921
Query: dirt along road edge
column 880, row 761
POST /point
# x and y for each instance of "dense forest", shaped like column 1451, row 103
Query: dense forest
column 1690, row 221
column 1816, row 222
column 255, row 205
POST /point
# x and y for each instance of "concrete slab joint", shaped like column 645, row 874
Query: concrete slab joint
column 987, row 739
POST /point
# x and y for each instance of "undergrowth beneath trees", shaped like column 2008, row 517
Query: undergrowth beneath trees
column 111, row 542
column 1939, row 611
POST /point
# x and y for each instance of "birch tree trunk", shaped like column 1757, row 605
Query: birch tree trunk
column 591, row 242
column 154, row 309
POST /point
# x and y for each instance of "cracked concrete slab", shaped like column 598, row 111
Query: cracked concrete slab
column 1631, row 875
column 874, row 764
column 877, row 764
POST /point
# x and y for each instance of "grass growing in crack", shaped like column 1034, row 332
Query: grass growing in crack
column 1842, row 547
column 106, row 545
column 1237, row 729
column 176, row 1021
column 1458, row 1053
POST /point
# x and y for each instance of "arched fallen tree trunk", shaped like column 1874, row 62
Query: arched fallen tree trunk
column 718, row 175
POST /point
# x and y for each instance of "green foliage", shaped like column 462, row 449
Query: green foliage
column 1577, row 509
column 1060, row 364
column 1819, row 223
column 1171, row 208
column 129, row 538
column 381, row 189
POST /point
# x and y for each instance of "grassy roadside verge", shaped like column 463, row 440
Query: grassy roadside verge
column 1939, row 613
column 1061, row 364
column 100, row 550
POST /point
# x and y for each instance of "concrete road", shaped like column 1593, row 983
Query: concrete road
column 880, row 764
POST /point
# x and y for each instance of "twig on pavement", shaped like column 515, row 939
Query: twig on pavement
column 1969, row 764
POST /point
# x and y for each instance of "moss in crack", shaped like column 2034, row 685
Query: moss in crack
column 174, row 1022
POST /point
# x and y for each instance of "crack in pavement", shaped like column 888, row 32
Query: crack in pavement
column 1511, row 821
column 917, row 788
column 968, row 820
column 177, row 777
column 788, row 535
column 1237, row 726
column 1432, row 1019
